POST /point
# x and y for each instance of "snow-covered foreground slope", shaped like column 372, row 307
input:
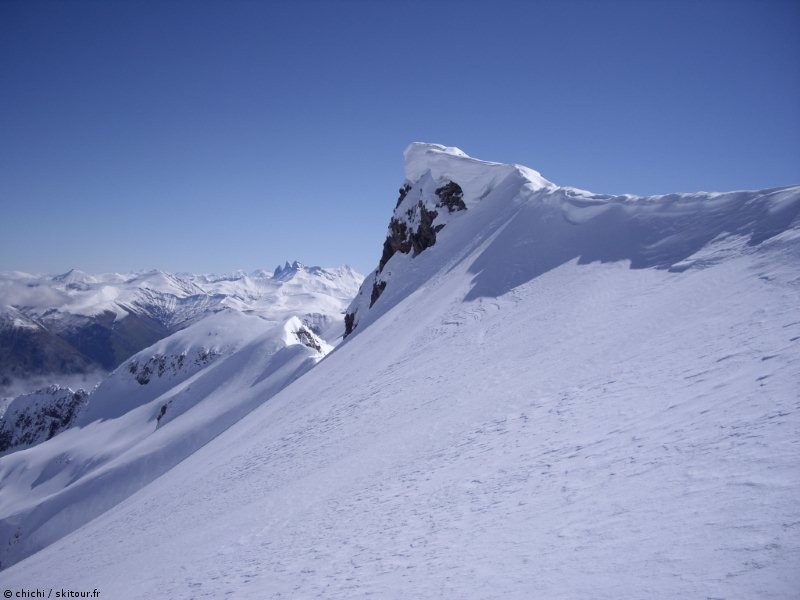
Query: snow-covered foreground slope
column 150, row 414
column 551, row 426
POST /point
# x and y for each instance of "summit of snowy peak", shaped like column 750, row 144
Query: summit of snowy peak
column 75, row 279
column 72, row 275
column 509, row 225
column 415, row 148
column 476, row 177
column 442, row 183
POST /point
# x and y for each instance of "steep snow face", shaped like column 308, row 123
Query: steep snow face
column 520, row 414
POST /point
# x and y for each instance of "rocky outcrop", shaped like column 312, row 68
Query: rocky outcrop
column 452, row 196
column 415, row 231
column 377, row 290
column 308, row 339
column 411, row 231
column 160, row 365
column 396, row 241
column 405, row 237
column 349, row 323
column 34, row 418
column 403, row 192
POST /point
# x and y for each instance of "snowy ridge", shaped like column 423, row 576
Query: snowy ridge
column 560, row 395
column 476, row 177
column 544, row 226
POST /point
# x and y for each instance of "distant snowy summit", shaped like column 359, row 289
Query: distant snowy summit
column 452, row 205
column 77, row 322
column 476, row 177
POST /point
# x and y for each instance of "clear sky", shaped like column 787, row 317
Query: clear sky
column 214, row 136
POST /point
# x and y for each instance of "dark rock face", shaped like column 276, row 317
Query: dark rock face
column 162, row 411
column 403, row 192
column 35, row 418
column 414, row 232
column 160, row 365
column 425, row 235
column 452, row 196
column 377, row 290
column 349, row 323
column 402, row 239
column 397, row 240
column 305, row 337
column 6, row 439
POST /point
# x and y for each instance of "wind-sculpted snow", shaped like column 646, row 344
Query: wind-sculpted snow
column 526, row 226
column 661, row 232
column 573, row 429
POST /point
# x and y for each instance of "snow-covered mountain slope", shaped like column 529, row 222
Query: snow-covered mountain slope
column 36, row 417
column 562, row 396
column 263, row 334
column 76, row 323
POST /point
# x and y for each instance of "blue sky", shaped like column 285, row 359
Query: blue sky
column 214, row 136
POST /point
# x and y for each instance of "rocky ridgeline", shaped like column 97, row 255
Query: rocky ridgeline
column 160, row 365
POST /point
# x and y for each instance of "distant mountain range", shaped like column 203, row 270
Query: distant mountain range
column 77, row 323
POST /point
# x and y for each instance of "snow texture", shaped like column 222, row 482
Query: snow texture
column 566, row 396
